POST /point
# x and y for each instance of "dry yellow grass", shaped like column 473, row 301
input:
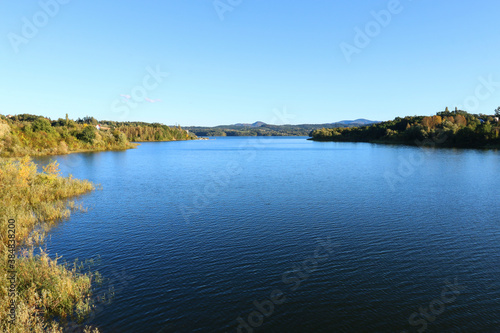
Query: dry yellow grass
column 46, row 294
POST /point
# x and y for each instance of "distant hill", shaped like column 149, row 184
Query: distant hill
column 256, row 124
column 358, row 122
column 260, row 128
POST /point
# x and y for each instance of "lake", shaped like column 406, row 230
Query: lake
column 288, row 235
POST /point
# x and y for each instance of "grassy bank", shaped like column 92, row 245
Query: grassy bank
column 41, row 295
column 30, row 135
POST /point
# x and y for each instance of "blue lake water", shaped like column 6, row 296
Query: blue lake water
column 203, row 236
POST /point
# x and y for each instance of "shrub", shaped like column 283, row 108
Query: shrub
column 47, row 293
column 42, row 125
column 87, row 135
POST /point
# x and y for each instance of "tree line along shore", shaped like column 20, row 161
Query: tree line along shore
column 32, row 135
column 457, row 128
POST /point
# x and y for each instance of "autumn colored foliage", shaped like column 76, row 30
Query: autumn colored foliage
column 46, row 294
column 32, row 135
column 453, row 129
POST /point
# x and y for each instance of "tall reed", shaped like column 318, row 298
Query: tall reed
column 42, row 293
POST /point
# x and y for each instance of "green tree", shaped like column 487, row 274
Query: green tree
column 486, row 130
column 120, row 137
column 42, row 125
column 87, row 135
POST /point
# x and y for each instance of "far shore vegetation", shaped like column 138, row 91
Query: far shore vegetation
column 457, row 128
column 31, row 135
column 262, row 129
column 43, row 294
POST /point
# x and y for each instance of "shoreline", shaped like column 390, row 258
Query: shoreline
column 37, row 201
column 42, row 154
column 410, row 144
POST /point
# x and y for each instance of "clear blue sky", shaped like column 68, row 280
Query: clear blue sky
column 264, row 55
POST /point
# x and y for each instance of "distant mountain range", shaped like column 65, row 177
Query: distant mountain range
column 256, row 124
column 357, row 122
column 260, row 128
